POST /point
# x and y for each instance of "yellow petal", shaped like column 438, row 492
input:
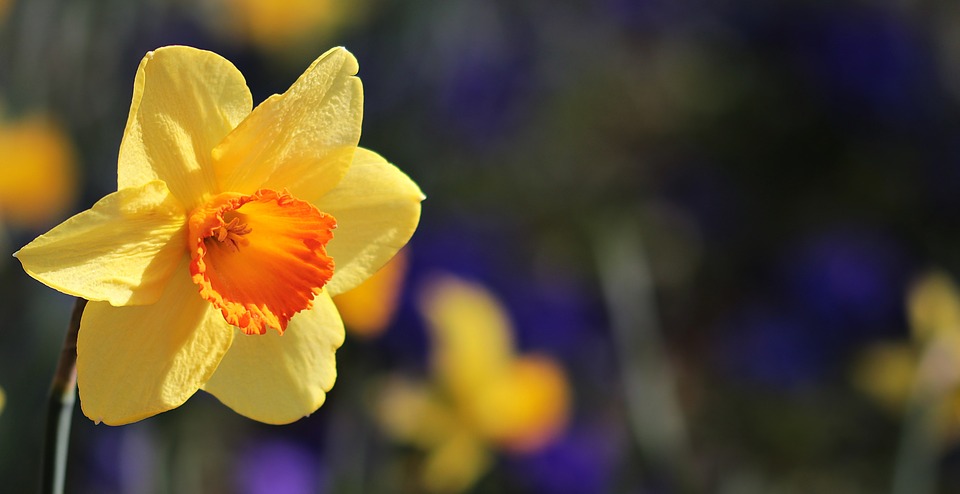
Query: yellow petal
column 37, row 171
column 471, row 335
column 278, row 379
column 367, row 309
column 946, row 418
column 886, row 372
column 301, row 140
column 527, row 408
column 377, row 209
column 185, row 101
column 135, row 362
column 934, row 306
column 122, row 250
column 413, row 413
column 456, row 464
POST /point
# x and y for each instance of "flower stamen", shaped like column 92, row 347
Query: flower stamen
column 234, row 231
column 260, row 258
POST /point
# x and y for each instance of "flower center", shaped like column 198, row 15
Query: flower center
column 233, row 231
column 260, row 258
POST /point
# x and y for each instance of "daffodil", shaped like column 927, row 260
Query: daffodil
column 212, row 265
column 483, row 397
column 283, row 24
column 368, row 308
column 37, row 171
column 923, row 372
column 5, row 6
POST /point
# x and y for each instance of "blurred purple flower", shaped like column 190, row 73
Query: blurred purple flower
column 867, row 61
column 481, row 92
column 837, row 290
column 581, row 462
column 851, row 284
column 473, row 64
column 872, row 56
column 771, row 348
column 554, row 315
column 277, row 466
column 123, row 460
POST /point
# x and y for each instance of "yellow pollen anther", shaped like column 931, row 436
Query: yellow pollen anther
column 234, row 231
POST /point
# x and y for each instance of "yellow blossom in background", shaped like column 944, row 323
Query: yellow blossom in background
column 933, row 308
column 367, row 309
column 885, row 371
column 3, row 400
column 928, row 366
column 5, row 6
column 37, row 171
column 281, row 24
column 212, row 265
column 483, row 396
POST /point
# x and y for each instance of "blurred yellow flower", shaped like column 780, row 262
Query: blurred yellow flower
column 5, row 6
column 482, row 396
column 37, row 171
column 933, row 307
column 885, row 372
column 3, row 400
column 928, row 366
column 239, row 206
column 279, row 24
column 367, row 309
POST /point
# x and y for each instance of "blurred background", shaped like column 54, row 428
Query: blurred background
column 684, row 246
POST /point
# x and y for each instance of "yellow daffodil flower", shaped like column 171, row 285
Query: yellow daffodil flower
column 5, row 6
column 37, row 171
column 927, row 368
column 367, row 309
column 280, row 24
column 212, row 265
column 483, row 396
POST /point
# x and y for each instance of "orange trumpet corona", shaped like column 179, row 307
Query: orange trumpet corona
column 260, row 258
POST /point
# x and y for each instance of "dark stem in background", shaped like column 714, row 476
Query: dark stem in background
column 63, row 394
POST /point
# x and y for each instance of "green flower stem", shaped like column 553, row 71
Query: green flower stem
column 63, row 395
column 915, row 470
column 916, row 465
column 650, row 385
